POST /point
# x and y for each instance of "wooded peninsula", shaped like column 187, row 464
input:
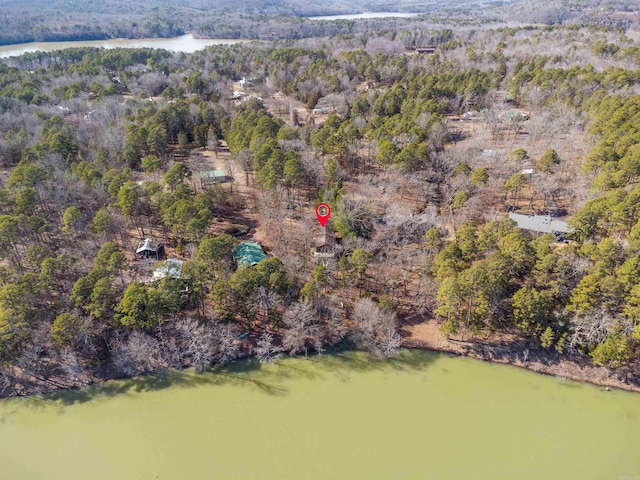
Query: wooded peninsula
column 157, row 209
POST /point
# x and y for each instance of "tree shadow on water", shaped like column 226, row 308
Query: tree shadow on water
column 244, row 373
column 247, row 373
column 287, row 370
column 347, row 358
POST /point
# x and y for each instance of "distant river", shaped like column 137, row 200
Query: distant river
column 185, row 43
column 340, row 417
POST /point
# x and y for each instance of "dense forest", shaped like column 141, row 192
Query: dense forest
column 421, row 155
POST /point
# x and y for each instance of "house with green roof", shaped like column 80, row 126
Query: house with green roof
column 248, row 253
column 212, row 177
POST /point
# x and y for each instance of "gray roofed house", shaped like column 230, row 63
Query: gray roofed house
column 540, row 223
column 170, row 268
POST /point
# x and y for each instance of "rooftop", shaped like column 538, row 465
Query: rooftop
column 171, row 268
column 248, row 253
column 212, row 174
column 326, row 238
column 146, row 246
column 540, row 223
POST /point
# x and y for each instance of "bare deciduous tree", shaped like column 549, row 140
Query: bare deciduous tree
column 301, row 328
column 266, row 351
column 171, row 352
column 136, row 355
column 70, row 364
column 32, row 360
column 7, row 383
column 334, row 326
column 228, row 347
column 375, row 329
column 245, row 160
column 265, row 300
column 590, row 329
column 199, row 343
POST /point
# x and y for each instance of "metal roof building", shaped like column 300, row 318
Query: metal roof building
column 540, row 223
column 170, row 268
column 211, row 177
column 148, row 249
column 248, row 253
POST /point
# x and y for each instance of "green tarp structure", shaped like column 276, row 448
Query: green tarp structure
column 248, row 253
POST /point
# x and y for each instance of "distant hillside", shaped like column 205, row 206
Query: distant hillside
column 60, row 20
column 617, row 13
column 42, row 20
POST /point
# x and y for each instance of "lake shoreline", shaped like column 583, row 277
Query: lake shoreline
column 516, row 352
column 86, row 38
column 341, row 415
column 568, row 367
column 188, row 43
column 101, row 36
column 573, row 368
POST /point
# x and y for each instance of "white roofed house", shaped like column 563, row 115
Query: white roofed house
column 169, row 274
column 149, row 249
column 170, row 268
column 246, row 82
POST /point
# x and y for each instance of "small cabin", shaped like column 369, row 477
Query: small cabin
column 213, row 177
column 149, row 249
column 246, row 82
column 170, row 268
column 429, row 49
column 324, row 245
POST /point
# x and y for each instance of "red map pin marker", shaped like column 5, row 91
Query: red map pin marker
column 323, row 211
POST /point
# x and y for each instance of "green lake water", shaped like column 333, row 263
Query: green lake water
column 420, row 416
